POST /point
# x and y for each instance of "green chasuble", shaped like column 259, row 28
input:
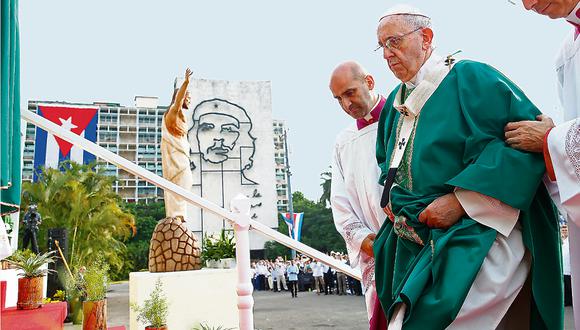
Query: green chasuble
column 458, row 141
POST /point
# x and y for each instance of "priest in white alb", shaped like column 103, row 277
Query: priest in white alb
column 560, row 144
column 355, row 192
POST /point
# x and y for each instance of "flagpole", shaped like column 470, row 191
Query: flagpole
column 289, row 187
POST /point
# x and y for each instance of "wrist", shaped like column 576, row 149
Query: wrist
column 547, row 158
column 458, row 205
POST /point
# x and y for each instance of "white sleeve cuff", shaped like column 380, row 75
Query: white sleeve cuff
column 488, row 211
column 562, row 144
column 355, row 233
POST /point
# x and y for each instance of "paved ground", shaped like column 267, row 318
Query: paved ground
column 308, row 311
column 280, row 311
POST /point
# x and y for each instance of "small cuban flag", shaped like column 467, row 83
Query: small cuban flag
column 49, row 150
column 294, row 226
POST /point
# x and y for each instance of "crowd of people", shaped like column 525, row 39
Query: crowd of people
column 303, row 274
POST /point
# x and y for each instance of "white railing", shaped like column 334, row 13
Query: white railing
column 238, row 216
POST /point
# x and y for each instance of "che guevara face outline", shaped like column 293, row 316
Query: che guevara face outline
column 217, row 134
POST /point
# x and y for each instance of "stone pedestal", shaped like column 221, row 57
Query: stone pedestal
column 206, row 295
column 173, row 247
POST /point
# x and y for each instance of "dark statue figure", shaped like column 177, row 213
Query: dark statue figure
column 32, row 220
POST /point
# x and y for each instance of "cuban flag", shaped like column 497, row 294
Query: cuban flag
column 50, row 150
column 295, row 225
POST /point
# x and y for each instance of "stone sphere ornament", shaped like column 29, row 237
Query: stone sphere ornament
column 173, row 247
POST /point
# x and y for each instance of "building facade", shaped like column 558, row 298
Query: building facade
column 280, row 159
column 133, row 132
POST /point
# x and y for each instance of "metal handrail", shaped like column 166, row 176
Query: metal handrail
column 191, row 198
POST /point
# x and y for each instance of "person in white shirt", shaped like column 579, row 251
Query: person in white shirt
column 341, row 279
column 271, row 275
column 280, row 278
column 261, row 271
column 293, row 271
column 355, row 192
column 317, row 272
column 254, row 276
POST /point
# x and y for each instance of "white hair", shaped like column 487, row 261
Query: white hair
column 416, row 21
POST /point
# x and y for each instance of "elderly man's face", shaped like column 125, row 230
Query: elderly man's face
column 407, row 59
column 551, row 8
column 217, row 135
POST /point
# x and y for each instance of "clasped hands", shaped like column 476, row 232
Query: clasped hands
column 442, row 213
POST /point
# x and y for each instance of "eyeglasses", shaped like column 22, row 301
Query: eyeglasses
column 395, row 42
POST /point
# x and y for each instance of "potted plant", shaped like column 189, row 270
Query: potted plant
column 219, row 252
column 94, row 281
column 30, row 285
column 209, row 252
column 154, row 310
column 75, row 295
column 227, row 250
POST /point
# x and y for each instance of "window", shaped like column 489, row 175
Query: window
column 108, row 118
column 105, row 136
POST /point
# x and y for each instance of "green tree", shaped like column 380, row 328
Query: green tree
column 81, row 199
column 146, row 218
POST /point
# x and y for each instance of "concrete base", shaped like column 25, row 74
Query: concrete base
column 11, row 277
column 206, row 295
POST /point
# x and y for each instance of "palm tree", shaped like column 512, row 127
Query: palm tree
column 81, row 199
column 326, row 183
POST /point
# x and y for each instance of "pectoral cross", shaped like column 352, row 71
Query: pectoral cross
column 404, row 112
column 402, row 143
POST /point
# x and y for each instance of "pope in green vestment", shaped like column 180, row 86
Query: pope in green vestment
column 471, row 221
column 457, row 141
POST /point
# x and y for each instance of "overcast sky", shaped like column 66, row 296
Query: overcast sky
column 112, row 50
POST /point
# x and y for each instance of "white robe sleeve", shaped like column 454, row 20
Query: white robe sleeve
column 488, row 211
column 352, row 229
column 564, row 149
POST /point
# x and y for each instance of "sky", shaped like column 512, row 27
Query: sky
column 111, row 50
